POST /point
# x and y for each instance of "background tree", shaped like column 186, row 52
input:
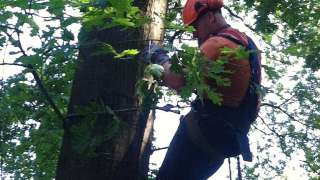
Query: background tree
column 32, row 122
column 103, row 134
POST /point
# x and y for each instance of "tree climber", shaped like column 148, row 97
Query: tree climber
column 209, row 133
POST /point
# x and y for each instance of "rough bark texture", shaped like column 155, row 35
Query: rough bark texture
column 99, row 143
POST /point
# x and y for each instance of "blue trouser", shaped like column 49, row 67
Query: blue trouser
column 220, row 127
column 186, row 161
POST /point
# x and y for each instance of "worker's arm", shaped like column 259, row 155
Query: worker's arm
column 175, row 81
column 156, row 55
column 171, row 79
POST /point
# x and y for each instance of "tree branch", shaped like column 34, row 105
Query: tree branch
column 158, row 149
column 283, row 111
column 41, row 87
column 9, row 27
column 17, row 42
column 20, row 45
column 14, row 64
column 267, row 134
column 254, row 30
column 272, row 130
column 238, row 17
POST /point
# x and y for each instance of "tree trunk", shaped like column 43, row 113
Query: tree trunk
column 105, row 128
column 153, row 32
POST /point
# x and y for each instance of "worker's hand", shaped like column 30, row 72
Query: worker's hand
column 154, row 54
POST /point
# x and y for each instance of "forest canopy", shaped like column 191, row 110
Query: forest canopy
column 40, row 38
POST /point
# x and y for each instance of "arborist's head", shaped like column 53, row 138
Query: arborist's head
column 205, row 16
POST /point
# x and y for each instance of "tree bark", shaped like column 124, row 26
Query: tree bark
column 153, row 33
column 105, row 128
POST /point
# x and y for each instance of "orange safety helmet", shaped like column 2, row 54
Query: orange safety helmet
column 194, row 8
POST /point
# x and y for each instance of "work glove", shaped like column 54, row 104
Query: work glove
column 154, row 54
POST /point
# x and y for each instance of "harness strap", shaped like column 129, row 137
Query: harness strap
column 194, row 131
column 255, row 66
column 255, row 79
column 231, row 38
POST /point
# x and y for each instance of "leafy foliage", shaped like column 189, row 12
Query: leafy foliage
column 148, row 88
column 198, row 71
column 108, row 49
column 291, row 107
column 108, row 14
column 30, row 131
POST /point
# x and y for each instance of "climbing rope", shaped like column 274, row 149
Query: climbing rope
column 230, row 173
column 239, row 168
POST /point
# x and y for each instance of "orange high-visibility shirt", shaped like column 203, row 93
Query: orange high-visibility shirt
column 231, row 95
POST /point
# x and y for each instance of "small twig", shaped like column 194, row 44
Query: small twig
column 132, row 109
column 286, row 101
column 267, row 134
column 20, row 45
column 238, row 17
column 232, row 13
column 9, row 27
column 159, row 149
column 14, row 64
column 283, row 111
column 16, row 41
column 45, row 93
column 167, row 108
column 272, row 130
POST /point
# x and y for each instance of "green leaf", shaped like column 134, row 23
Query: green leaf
column 5, row 16
column 123, row 22
column 128, row 52
column 174, row 26
column 267, row 37
column 32, row 60
column 67, row 35
column 121, row 5
column 21, row 4
column 69, row 21
column 105, row 49
column 56, row 7
column 215, row 97
column 3, row 39
column 154, row 70
column 241, row 53
column 271, row 72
